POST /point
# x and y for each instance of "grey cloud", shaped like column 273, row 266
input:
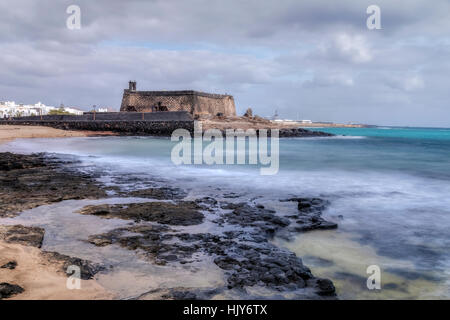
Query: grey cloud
column 314, row 59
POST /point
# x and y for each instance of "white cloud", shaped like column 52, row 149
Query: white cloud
column 330, row 79
column 413, row 83
column 405, row 82
column 354, row 47
column 311, row 57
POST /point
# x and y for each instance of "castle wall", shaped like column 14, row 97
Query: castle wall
column 191, row 101
column 213, row 106
column 122, row 127
column 113, row 116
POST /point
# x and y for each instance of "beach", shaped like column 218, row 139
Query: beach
column 11, row 132
column 142, row 228
column 39, row 275
column 33, row 185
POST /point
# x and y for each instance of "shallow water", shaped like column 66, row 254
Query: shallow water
column 128, row 275
column 388, row 190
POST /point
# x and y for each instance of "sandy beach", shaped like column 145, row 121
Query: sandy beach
column 42, row 278
column 35, row 272
column 9, row 133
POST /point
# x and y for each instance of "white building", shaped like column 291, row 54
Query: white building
column 105, row 109
column 74, row 110
column 12, row 109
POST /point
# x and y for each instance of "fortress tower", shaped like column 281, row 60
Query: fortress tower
column 195, row 102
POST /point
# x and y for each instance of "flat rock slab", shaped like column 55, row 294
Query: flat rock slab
column 8, row 290
column 163, row 193
column 245, row 254
column 29, row 181
column 181, row 214
column 28, row 236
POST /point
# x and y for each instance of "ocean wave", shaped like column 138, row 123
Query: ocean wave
column 399, row 213
column 326, row 138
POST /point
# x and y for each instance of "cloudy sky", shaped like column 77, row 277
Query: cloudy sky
column 308, row 59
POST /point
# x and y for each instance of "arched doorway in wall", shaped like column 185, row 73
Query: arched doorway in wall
column 159, row 107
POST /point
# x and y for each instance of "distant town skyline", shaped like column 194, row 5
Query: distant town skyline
column 314, row 60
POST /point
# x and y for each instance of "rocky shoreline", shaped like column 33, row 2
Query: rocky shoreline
column 29, row 181
column 159, row 128
column 240, row 244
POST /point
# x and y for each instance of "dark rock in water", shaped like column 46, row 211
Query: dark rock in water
column 10, row 265
column 149, row 239
column 87, row 269
column 182, row 213
column 299, row 132
column 207, row 203
column 290, row 133
column 325, row 287
column 310, row 212
column 28, row 236
column 242, row 250
column 245, row 264
column 248, row 216
column 29, row 181
column 247, row 258
column 7, row 290
column 319, row 225
column 180, row 293
column 162, row 193
column 309, row 204
column 10, row 161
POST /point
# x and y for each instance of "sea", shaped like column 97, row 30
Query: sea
column 388, row 190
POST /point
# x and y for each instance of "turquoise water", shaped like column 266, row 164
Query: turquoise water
column 414, row 151
column 388, row 190
column 393, row 132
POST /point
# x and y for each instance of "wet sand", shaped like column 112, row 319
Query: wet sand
column 41, row 278
column 9, row 133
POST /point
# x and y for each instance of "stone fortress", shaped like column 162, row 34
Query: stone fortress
column 195, row 102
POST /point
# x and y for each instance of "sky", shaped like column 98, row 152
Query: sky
column 311, row 59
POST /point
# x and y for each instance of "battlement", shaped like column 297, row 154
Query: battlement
column 179, row 93
column 194, row 102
